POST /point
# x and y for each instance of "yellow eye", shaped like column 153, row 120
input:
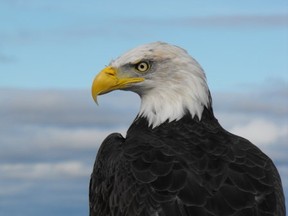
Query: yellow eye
column 142, row 66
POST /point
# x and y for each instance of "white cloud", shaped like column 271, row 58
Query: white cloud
column 43, row 170
column 283, row 171
column 7, row 188
column 48, row 138
column 67, row 108
column 215, row 21
column 261, row 131
column 68, row 138
column 265, row 100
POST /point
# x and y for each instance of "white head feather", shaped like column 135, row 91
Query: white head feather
column 175, row 83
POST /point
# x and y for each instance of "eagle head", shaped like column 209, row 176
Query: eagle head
column 168, row 80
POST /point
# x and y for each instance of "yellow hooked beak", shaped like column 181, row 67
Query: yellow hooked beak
column 108, row 80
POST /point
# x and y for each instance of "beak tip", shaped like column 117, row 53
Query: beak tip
column 95, row 99
column 96, row 102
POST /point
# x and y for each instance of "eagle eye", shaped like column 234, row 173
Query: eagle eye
column 142, row 66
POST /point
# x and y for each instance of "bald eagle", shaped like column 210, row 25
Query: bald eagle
column 176, row 158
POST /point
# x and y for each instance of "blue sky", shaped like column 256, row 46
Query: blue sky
column 50, row 51
column 62, row 44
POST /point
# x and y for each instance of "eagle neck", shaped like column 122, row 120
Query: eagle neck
column 208, row 121
column 158, row 108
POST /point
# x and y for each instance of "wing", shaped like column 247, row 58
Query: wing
column 192, row 169
column 102, row 177
column 113, row 189
column 201, row 171
column 254, row 173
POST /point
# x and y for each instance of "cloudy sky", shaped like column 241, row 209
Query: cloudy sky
column 50, row 128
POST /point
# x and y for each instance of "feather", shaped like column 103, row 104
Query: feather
column 176, row 159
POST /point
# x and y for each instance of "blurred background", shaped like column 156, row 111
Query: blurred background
column 50, row 51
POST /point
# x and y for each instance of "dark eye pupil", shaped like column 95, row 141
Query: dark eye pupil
column 143, row 66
